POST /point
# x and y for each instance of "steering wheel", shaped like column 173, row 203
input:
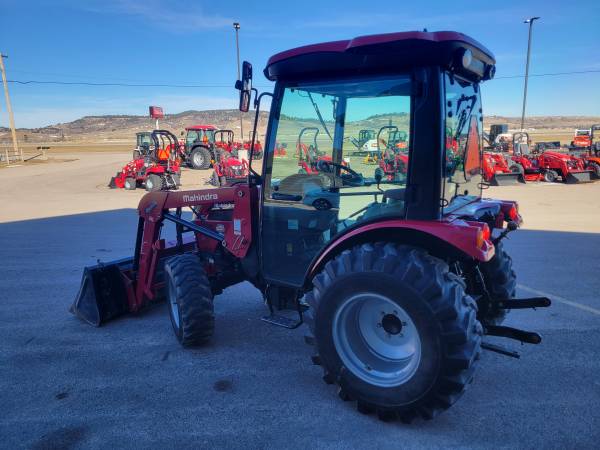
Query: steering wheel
column 351, row 178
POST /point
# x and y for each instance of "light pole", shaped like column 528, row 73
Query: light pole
column 236, row 26
column 530, row 22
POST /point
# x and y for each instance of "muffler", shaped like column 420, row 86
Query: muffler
column 584, row 176
column 507, row 179
column 103, row 294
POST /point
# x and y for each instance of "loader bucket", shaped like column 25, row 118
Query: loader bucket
column 112, row 183
column 103, row 292
column 579, row 177
column 507, row 179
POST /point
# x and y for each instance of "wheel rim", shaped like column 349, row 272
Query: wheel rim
column 149, row 183
column 198, row 159
column 173, row 304
column 376, row 340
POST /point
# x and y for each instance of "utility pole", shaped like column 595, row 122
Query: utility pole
column 11, row 119
column 236, row 26
column 530, row 22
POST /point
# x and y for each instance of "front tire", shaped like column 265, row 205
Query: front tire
column 130, row 184
column 394, row 329
column 550, row 176
column 595, row 168
column 154, row 183
column 190, row 300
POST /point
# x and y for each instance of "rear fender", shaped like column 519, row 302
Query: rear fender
column 453, row 240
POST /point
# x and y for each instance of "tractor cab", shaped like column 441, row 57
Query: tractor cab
column 521, row 143
column 143, row 143
column 303, row 212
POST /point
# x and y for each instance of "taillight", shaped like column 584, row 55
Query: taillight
column 513, row 212
column 483, row 235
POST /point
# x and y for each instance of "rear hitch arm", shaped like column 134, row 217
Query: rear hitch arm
column 528, row 337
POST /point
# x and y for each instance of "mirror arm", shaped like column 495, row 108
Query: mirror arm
column 257, row 100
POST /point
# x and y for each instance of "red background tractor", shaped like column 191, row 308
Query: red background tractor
column 157, row 168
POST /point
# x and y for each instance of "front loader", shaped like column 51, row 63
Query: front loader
column 398, row 282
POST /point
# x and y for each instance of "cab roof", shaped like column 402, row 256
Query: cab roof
column 378, row 53
column 201, row 127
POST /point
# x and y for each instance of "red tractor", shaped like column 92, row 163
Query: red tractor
column 156, row 168
column 229, row 168
column 199, row 150
column 497, row 172
column 397, row 281
column 526, row 164
column 569, row 168
column 257, row 152
column 309, row 155
column 393, row 157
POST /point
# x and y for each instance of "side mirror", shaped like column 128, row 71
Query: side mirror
column 181, row 134
column 378, row 175
column 245, row 86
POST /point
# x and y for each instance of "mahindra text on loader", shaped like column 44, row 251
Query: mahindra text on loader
column 398, row 281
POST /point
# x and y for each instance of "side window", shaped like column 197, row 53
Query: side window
column 462, row 174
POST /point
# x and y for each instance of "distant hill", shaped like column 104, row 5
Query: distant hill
column 123, row 127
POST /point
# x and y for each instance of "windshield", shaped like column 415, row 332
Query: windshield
column 199, row 137
column 462, row 173
column 338, row 135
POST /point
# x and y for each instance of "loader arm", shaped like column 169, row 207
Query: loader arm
column 222, row 222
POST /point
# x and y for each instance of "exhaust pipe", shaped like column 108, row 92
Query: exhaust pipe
column 508, row 179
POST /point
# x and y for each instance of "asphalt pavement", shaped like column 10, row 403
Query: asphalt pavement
column 64, row 384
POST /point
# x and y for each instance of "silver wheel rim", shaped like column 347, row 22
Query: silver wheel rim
column 376, row 340
column 149, row 183
column 173, row 304
column 198, row 159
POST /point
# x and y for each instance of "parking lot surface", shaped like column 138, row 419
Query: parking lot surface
column 64, row 384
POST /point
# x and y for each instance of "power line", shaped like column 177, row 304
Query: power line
column 551, row 74
column 209, row 86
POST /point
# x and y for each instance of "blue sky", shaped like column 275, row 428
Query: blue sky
column 176, row 41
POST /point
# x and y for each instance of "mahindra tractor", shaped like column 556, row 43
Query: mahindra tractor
column 393, row 157
column 199, row 150
column 229, row 166
column 496, row 171
column 398, row 282
column 309, row 155
column 157, row 168
column 257, row 152
column 524, row 163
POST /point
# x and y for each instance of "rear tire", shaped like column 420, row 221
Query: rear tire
column 394, row 329
column 595, row 168
column 190, row 300
column 130, row 184
column 200, row 158
column 154, row 183
column 501, row 282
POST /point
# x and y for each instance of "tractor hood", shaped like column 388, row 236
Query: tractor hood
column 379, row 54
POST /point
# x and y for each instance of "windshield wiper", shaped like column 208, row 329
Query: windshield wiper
column 319, row 115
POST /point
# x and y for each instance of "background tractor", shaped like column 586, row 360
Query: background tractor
column 199, row 150
column 397, row 281
column 582, row 139
column 230, row 167
column 156, row 168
